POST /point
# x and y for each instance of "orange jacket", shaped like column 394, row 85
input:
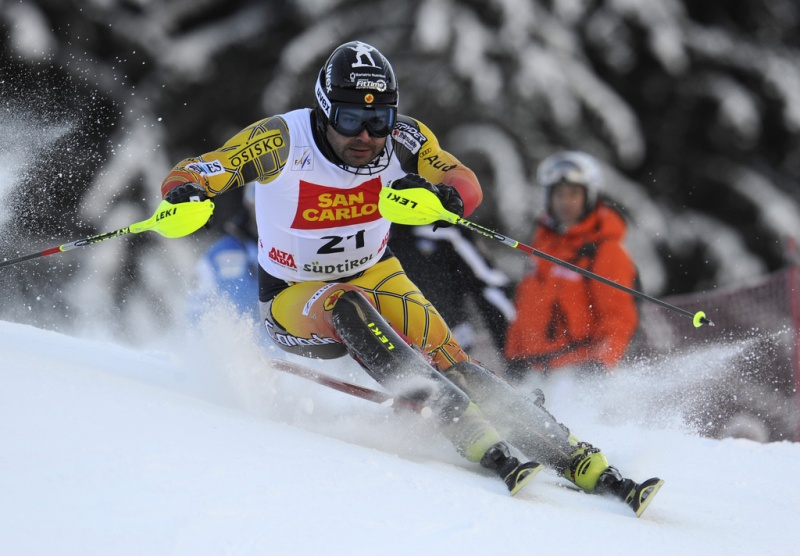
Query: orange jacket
column 564, row 318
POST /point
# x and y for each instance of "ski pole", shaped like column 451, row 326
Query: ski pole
column 362, row 392
column 169, row 220
column 418, row 206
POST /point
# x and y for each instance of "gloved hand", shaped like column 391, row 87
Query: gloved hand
column 186, row 192
column 448, row 195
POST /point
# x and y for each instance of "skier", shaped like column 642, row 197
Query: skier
column 563, row 319
column 329, row 286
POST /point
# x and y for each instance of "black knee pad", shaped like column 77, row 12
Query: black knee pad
column 367, row 335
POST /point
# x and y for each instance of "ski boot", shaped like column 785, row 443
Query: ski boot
column 479, row 442
column 589, row 469
column 587, row 464
column 636, row 495
column 515, row 475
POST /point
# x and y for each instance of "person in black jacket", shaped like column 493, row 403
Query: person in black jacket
column 474, row 294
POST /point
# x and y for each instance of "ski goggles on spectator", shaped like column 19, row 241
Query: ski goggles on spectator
column 563, row 171
column 351, row 119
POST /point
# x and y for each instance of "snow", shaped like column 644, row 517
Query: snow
column 191, row 444
column 194, row 447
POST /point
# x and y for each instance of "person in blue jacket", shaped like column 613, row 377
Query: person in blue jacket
column 229, row 267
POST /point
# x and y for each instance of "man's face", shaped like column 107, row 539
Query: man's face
column 568, row 202
column 355, row 151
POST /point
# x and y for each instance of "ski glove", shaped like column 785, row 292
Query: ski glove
column 188, row 191
column 447, row 194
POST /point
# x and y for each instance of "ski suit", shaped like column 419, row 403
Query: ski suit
column 565, row 319
column 320, row 230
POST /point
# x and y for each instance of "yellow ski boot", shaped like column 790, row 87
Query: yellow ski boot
column 589, row 469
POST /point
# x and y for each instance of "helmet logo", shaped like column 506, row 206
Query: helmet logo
column 363, row 52
column 328, row 71
column 369, row 98
column 323, row 100
column 379, row 85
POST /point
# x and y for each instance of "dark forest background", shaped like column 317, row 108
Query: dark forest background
column 693, row 107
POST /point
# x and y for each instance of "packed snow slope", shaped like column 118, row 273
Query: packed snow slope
column 199, row 448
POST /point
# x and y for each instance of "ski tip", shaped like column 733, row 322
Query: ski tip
column 645, row 494
column 521, row 475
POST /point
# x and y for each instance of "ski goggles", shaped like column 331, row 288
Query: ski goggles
column 563, row 171
column 351, row 119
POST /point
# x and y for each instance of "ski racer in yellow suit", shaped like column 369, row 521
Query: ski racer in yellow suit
column 328, row 284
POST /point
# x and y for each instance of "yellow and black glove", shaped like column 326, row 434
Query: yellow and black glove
column 448, row 195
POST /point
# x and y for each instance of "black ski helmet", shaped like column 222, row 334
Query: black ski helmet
column 355, row 73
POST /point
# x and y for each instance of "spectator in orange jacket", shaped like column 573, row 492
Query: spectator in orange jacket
column 564, row 319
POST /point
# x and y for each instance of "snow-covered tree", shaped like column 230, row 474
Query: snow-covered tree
column 694, row 107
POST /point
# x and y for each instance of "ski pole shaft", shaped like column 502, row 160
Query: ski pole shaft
column 66, row 247
column 169, row 220
column 419, row 206
column 362, row 392
column 698, row 318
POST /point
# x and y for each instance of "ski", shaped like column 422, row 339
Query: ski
column 642, row 494
column 637, row 496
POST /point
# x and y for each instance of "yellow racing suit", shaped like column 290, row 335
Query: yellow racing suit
column 320, row 231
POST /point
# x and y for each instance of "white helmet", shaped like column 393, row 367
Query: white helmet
column 571, row 167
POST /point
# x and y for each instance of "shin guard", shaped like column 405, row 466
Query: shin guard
column 391, row 361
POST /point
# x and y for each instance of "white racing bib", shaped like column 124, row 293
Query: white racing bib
column 317, row 221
